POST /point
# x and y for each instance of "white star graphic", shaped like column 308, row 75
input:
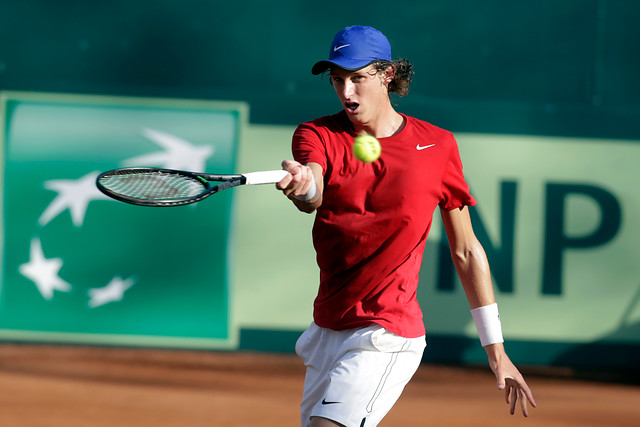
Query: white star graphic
column 177, row 154
column 113, row 292
column 74, row 195
column 44, row 272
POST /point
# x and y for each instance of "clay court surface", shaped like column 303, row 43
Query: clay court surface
column 70, row 386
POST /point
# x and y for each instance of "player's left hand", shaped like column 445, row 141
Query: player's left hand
column 510, row 380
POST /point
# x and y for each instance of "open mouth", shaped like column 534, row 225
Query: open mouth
column 351, row 107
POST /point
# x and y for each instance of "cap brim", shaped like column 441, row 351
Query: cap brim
column 349, row 65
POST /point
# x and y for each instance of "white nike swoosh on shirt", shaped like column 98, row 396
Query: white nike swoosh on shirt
column 337, row 48
column 418, row 147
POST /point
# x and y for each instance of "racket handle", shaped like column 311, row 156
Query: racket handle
column 264, row 177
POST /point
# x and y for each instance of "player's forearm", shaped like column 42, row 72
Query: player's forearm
column 473, row 269
column 476, row 279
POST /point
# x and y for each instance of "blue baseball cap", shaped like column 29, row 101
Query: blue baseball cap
column 354, row 48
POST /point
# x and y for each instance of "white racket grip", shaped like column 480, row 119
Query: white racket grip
column 264, row 177
column 487, row 320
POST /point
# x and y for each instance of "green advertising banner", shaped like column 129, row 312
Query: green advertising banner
column 79, row 267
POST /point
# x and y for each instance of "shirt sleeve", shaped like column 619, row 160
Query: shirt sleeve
column 307, row 146
column 455, row 190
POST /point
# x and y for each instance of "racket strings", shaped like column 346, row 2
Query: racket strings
column 154, row 185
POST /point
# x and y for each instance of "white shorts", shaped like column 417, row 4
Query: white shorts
column 355, row 377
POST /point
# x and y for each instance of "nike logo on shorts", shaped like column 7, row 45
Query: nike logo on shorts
column 324, row 402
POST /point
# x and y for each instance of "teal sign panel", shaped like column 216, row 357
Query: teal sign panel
column 79, row 267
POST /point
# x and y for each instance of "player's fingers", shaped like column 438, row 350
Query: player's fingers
column 524, row 390
column 518, row 391
column 526, row 398
column 304, row 179
column 523, row 402
column 300, row 181
column 309, row 179
column 514, row 399
column 289, row 164
column 503, row 384
column 284, row 182
column 528, row 394
column 290, row 183
column 297, row 179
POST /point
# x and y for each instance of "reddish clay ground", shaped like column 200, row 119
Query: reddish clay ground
column 96, row 387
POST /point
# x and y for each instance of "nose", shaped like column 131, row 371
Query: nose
column 348, row 89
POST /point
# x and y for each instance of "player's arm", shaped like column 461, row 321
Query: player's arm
column 303, row 186
column 472, row 266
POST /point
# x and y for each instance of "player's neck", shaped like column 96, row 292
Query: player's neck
column 385, row 125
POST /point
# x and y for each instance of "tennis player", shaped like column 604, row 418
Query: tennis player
column 371, row 224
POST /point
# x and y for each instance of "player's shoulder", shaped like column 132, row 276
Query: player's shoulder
column 323, row 131
column 334, row 123
column 426, row 131
column 427, row 127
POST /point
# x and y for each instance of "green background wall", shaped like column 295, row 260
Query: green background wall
column 560, row 74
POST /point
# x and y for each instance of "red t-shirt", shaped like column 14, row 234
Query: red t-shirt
column 370, row 231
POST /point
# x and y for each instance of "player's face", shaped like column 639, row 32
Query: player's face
column 362, row 93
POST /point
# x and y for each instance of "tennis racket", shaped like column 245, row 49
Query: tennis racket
column 167, row 187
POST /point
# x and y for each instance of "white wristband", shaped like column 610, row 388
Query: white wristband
column 311, row 192
column 487, row 321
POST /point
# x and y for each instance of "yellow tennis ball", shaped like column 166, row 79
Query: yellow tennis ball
column 367, row 148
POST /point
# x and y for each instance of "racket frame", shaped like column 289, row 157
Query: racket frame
column 225, row 182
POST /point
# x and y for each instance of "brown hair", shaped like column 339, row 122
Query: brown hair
column 403, row 74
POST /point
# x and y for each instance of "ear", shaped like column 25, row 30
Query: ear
column 389, row 74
